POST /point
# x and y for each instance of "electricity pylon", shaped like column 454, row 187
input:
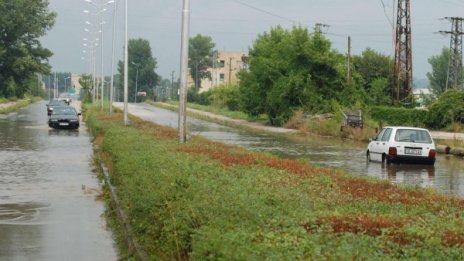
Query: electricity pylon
column 455, row 73
column 403, row 53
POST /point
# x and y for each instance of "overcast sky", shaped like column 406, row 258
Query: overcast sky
column 235, row 24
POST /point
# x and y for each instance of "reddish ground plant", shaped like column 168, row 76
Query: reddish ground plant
column 358, row 188
column 361, row 224
column 385, row 192
column 452, row 238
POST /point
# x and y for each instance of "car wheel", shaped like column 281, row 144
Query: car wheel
column 388, row 160
column 368, row 156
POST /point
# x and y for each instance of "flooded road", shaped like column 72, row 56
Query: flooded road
column 49, row 207
column 446, row 176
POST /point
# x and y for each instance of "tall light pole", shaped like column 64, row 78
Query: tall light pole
column 100, row 12
column 126, row 121
column 112, row 57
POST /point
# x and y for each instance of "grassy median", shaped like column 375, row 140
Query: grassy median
column 205, row 200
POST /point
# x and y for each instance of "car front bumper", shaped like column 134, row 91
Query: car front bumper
column 63, row 125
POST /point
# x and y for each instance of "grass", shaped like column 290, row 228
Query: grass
column 208, row 201
column 18, row 104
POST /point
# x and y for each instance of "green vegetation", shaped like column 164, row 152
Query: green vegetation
column 200, row 56
column 208, row 201
column 15, row 104
column 142, row 67
column 447, row 110
column 399, row 116
column 439, row 74
column 22, row 56
column 289, row 70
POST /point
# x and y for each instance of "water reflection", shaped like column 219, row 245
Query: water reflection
column 58, row 132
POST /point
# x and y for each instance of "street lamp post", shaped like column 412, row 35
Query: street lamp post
column 126, row 121
column 112, row 58
column 102, row 80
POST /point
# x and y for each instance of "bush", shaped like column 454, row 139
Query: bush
column 225, row 97
column 201, row 98
column 448, row 109
column 399, row 116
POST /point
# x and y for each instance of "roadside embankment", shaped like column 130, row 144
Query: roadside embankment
column 204, row 200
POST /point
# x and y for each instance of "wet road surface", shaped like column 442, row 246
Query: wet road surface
column 49, row 207
column 446, row 176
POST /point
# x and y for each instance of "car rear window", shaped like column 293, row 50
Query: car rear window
column 413, row 135
column 64, row 111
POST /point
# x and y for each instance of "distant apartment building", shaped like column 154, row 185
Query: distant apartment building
column 224, row 70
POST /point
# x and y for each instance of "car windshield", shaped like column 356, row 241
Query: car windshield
column 413, row 135
column 64, row 111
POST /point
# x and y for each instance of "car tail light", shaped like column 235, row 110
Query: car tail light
column 392, row 151
column 432, row 153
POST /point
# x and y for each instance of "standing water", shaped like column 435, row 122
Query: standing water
column 49, row 206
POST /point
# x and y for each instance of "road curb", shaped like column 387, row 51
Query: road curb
column 133, row 246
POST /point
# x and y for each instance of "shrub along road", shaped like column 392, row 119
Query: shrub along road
column 206, row 200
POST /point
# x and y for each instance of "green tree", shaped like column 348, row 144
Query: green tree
column 22, row 23
column 201, row 49
column 142, row 67
column 449, row 108
column 380, row 92
column 439, row 74
column 86, row 82
column 376, row 70
column 289, row 70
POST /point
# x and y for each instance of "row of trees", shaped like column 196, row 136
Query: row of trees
column 22, row 57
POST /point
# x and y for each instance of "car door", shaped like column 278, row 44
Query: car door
column 375, row 148
column 384, row 143
column 380, row 145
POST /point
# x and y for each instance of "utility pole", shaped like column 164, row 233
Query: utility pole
column 184, row 71
column 318, row 27
column 230, row 70
column 348, row 70
column 403, row 53
column 454, row 75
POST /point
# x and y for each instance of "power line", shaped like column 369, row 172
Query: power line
column 264, row 11
column 385, row 12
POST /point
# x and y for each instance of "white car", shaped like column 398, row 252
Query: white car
column 396, row 144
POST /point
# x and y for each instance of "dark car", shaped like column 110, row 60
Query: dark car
column 54, row 103
column 64, row 117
